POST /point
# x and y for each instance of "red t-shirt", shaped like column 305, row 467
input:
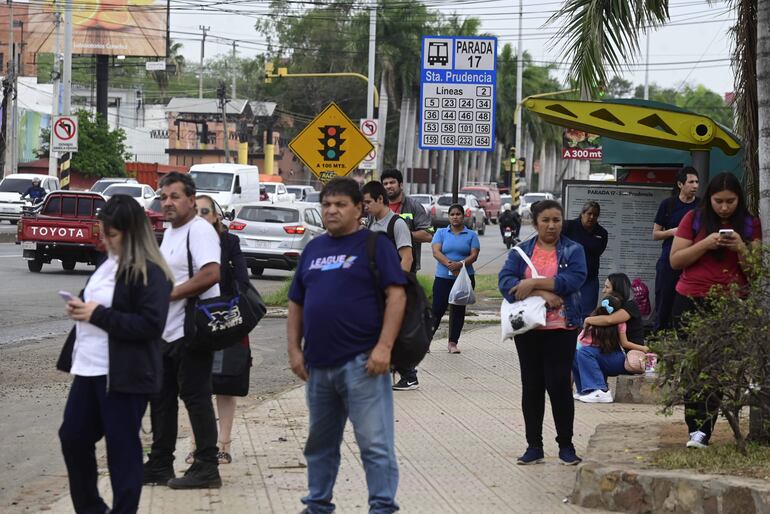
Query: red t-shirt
column 700, row 276
column 395, row 207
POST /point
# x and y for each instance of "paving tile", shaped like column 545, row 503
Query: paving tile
column 457, row 439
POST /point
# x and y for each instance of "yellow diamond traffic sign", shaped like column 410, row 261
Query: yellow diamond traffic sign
column 331, row 145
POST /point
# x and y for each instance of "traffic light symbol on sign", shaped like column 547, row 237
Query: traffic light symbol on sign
column 332, row 141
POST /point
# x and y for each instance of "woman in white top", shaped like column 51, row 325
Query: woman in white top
column 114, row 354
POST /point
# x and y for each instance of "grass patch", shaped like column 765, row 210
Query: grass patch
column 486, row 285
column 280, row 297
column 722, row 459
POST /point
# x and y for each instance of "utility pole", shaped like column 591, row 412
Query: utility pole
column 235, row 69
column 56, row 76
column 67, row 72
column 517, row 142
column 647, row 70
column 200, row 68
column 372, row 45
column 221, row 94
column 9, row 100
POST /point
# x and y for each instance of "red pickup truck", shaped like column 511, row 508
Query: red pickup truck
column 64, row 228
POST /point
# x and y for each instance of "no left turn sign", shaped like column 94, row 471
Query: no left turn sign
column 370, row 128
column 64, row 134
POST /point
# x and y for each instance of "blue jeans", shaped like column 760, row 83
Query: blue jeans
column 591, row 368
column 333, row 395
column 589, row 295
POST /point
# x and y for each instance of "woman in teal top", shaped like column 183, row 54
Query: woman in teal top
column 452, row 246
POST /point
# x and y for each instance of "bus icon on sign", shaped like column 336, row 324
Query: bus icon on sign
column 438, row 52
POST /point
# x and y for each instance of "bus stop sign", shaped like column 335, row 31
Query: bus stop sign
column 457, row 93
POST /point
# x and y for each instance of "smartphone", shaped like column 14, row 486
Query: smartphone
column 67, row 296
column 725, row 231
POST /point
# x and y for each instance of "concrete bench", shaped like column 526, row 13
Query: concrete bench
column 638, row 389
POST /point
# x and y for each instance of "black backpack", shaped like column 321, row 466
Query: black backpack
column 416, row 332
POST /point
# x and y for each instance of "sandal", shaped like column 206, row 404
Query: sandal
column 224, row 457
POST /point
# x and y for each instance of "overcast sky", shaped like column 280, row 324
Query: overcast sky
column 693, row 49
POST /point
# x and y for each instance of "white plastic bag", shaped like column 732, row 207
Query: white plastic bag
column 524, row 315
column 462, row 290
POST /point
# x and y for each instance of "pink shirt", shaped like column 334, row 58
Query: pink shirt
column 547, row 266
column 586, row 340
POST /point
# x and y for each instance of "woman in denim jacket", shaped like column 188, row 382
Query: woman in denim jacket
column 546, row 353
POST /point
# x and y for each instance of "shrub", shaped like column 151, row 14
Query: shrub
column 726, row 357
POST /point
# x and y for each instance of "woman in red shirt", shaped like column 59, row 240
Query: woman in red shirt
column 709, row 247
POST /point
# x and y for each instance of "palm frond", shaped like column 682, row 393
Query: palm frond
column 604, row 34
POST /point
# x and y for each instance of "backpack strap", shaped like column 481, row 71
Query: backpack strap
column 371, row 256
column 392, row 227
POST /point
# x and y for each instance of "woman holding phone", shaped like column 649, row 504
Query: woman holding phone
column 114, row 354
column 709, row 247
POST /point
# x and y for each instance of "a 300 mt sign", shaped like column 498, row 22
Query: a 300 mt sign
column 457, row 93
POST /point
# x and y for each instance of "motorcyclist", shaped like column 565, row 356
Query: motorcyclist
column 35, row 192
column 509, row 219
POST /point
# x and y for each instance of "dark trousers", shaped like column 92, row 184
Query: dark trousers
column 92, row 412
column 186, row 374
column 441, row 289
column 699, row 413
column 665, row 291
column 545, row 361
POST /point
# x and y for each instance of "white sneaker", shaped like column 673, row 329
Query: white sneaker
column 576, row 395
column 697, row 440
column 597, row 396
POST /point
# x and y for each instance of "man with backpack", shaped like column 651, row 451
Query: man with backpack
column 336, row 305
column 419, row 223
column 382, row 219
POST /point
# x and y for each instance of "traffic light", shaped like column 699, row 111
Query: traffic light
column 332, row 142
column 521, row 166
column 512, row 152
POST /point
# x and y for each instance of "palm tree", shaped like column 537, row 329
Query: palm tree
column 177, row 61
column 602, row 35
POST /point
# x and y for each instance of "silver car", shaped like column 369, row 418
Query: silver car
column 425, row 200
column 474, row 214
column 274, row 235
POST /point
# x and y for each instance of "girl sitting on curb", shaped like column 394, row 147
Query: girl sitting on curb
column 601, row 354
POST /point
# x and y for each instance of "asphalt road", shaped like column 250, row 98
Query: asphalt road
column 33, row 393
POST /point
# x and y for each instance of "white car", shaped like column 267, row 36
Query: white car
column 15, row 185
column 277, row 192
column 426, row 201
column 300, row 192
column 142, row 193
column 528, row 199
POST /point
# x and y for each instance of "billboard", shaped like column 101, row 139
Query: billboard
column 112, row 27
column 577, row 144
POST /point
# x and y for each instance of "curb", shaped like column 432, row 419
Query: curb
column 630, row 487
column 621, row 489
column 478, row 317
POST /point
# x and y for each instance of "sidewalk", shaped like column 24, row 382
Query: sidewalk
column 457, row 440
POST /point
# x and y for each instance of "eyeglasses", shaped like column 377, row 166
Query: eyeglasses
column 205, row 211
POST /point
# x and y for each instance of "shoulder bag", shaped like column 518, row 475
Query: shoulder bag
column 524, row 315
column 217, row 323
